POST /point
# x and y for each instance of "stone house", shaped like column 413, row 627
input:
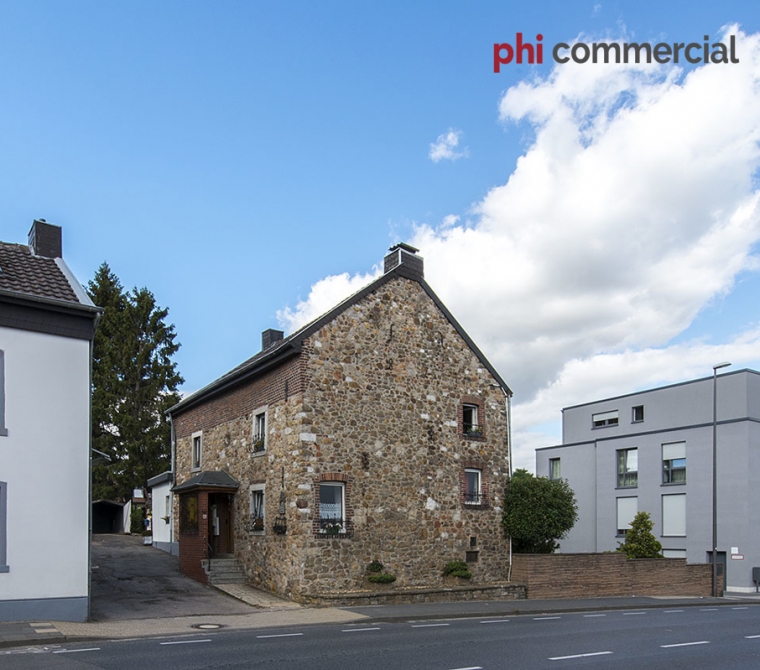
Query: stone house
column 47, row 324
column 377, row 432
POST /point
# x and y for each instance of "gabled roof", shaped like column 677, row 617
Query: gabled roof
column 23, row 272
column 291, row 345
column 211, row 479
column 40, row 293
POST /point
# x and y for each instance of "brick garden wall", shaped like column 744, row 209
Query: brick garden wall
column 604, row 575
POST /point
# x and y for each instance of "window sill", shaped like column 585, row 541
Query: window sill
column 626, row 488
column 261, row 452
column 3, row 433
column 666, row 536
column 673, row 484
column 479, row 437
column 4, row 568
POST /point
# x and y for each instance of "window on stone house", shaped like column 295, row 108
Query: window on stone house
column 3, row 429
column 471, row 422
column 3, row 526
column 197, row 450
column 332, row 507
column 604, row 419
column 473, row 492
column 627, row 467
column 257, row 512
column 674, row 463
column 259, row 431
column 554, row 469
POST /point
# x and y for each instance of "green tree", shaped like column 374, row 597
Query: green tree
column 639, row 540
column 134, row 382
column 538, row 512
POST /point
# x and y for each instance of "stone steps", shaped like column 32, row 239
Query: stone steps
column 224, row 571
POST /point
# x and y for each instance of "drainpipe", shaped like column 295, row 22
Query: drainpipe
column 174, row 482
column 509, row 456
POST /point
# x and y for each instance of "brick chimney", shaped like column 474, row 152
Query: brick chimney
column 270, row 337
column 45, row 239
column 404, row 254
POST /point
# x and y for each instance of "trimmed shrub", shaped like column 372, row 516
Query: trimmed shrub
column 457, row 569
column 381, row 578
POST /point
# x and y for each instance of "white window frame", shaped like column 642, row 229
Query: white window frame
column 3, row 428
column 256, row 434
column 672, row 452
column 626, row 509
column 674, row 515
column 258, row 488
column 196, row 463
column 474, row 422
column 627, row 471
column 633, row 413
column 555, row 476
column 323, row 519
column 605, row 419
column 478, row 500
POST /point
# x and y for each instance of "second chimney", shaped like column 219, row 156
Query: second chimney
column 270, row 337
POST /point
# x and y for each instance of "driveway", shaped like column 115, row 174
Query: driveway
column 132, row 581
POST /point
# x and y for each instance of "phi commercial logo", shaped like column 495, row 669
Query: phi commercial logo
column 614, row 52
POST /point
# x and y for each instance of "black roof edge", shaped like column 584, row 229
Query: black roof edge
column 160, row 479
column 291, row 345
column 51, row 304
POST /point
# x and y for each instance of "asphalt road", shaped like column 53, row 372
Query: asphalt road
column 697, row 637
column 131, row 581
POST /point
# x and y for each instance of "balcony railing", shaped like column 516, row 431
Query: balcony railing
column 334, row 526
column 475, row 499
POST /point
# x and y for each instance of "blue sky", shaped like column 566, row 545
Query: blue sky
column 231, row 156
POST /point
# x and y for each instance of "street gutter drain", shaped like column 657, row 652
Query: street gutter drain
column 207, row 626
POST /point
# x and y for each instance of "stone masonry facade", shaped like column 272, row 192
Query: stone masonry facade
column 373, row 404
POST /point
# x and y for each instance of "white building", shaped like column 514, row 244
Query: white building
column 651, row 451
column 47, row 323
column 162, row 513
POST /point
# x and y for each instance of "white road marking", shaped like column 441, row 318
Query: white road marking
column 264, row 637
column 751, row 637
column 672, row 611
column 429, row 625
column 632, row 613
column 708, row 609
column 75, row 651
column 474, row 667
column 184, row 641
column 740, row 608
column 684, row 644
column 588, row 616
column 496, row 621
column 545, row 618
column 358, row 630
column 593, row 653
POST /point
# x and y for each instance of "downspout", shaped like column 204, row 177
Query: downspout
column 174, row 482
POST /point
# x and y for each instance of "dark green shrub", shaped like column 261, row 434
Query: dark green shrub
column 136, row 518
column 375, row 566
column 457, row 569
column 381, row 578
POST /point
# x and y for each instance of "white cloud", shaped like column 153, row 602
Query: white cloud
column 323, row 296
column 445, row 147
column 632, row 209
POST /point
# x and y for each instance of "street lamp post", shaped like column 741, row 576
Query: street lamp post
column 715, row 480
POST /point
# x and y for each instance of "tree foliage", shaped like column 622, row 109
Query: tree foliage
column 134, row 382
column 538, row 512
column 640, row 542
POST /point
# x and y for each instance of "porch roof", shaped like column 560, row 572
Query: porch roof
column 209, row 479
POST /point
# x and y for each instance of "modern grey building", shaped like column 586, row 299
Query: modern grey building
column 652, row 451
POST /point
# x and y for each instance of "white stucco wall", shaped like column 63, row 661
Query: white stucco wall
column 161, row 529
column 45, row 461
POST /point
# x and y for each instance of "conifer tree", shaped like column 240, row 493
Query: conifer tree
column 640, row 542
column 134, row 382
